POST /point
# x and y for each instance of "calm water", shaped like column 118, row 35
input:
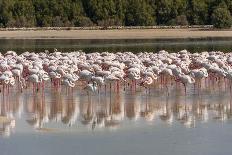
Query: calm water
column 131, row 123
column 171, row 45
column 72, row 122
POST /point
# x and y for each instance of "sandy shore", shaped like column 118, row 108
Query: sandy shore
column 115, row 34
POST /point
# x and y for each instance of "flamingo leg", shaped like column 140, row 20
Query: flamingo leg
column 117, row 86
column 185, row 91
column 135, row 84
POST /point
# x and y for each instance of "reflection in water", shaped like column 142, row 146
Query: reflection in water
column 114, row 110
column 7, row 118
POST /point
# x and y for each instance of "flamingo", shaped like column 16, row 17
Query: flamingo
column 91, row 88
column 185, row 80
column 199, row 74
column 34, row 78
column 107, row 68
column 134, row 75
column 85, row 75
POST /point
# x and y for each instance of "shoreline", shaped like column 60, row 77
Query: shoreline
column 190, row 33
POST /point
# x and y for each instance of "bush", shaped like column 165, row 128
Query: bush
column 83, row 22
column 57, row 22
column 221, row 18
column 109, row 22
column 11, row 22
column 181, row 20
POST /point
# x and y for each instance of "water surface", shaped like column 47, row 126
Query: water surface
column 132, row 123
column 139, row 45
column 72, row 122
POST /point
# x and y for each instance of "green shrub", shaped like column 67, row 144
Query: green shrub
column 221, row 18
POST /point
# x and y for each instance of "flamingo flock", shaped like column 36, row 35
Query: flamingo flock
column 106, row 72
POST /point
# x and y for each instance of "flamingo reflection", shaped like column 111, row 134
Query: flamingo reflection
column 107, row 111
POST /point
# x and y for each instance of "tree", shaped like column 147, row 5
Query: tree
column 42, row 13
column 139, row 13
column 179, row 20
column 23, row 13
column 5, row 12
column 221, row 18
column 29, row 13
column 178, row 13
column 164, row 11
column 197, row 12
column 120, row 8
column 83, row 22
column 99, row 10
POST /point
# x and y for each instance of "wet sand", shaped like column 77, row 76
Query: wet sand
column 116, row 34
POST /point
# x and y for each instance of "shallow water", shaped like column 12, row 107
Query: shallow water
column 137, row 45
column 129, row 122
column 143, row 122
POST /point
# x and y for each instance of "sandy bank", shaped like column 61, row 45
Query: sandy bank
column 115, row 34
